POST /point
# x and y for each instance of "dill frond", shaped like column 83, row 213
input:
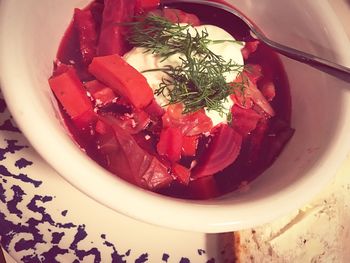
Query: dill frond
column 199, row 81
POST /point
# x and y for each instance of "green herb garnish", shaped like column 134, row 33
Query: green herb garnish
column 199, row 81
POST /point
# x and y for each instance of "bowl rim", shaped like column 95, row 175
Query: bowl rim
column 222, row 217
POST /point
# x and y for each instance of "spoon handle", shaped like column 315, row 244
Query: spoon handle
column 331, row 68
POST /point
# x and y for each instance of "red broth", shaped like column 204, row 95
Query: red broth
column 258, row 148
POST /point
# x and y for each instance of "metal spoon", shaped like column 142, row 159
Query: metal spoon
column 253, row 32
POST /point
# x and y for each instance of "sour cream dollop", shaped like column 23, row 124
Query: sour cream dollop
column 142, row 60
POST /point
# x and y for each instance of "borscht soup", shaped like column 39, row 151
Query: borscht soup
column 177, row 101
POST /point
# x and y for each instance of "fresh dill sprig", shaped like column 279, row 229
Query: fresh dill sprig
column 199, row 81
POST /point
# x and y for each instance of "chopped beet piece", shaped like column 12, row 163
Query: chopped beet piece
column 170, row 144
column 255, row 141
column 156, row 176
column 113, row 34
column 182, row 174
column 278, row 136
column 85, row 25
column 135, row 165
column 244, row 120
column 204, row 188
column 221, row 152
column 250, row 95
column 145, row 5
column 189, row 145
column 178, row 16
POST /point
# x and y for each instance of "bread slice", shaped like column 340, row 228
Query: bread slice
column 318, row 232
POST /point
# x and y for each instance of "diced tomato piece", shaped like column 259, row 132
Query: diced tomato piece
column 170, row 143
column 182, row 174
column 173, row 115
column 100, row 92
column 221, row 152
column 189, row 145
column 269, row 90
column 120, row 76
column 112, row 38
column 249, row 48
column 240, row 95
column 196, row 123
column 145, row 5
column 190, row 124
column 253, row 72
column 179, row 16
column 204, row 188
column 260, row 100
column 86, row 28
column 240, row 98
column 250, row 94
column 71, row 94
column 244, row 120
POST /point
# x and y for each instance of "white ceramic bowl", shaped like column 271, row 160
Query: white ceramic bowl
column 30, row 33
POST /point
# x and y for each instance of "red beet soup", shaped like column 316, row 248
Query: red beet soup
column 174, row 147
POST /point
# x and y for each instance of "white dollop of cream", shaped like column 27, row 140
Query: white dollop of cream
column 217, row 117
column 230, row 51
